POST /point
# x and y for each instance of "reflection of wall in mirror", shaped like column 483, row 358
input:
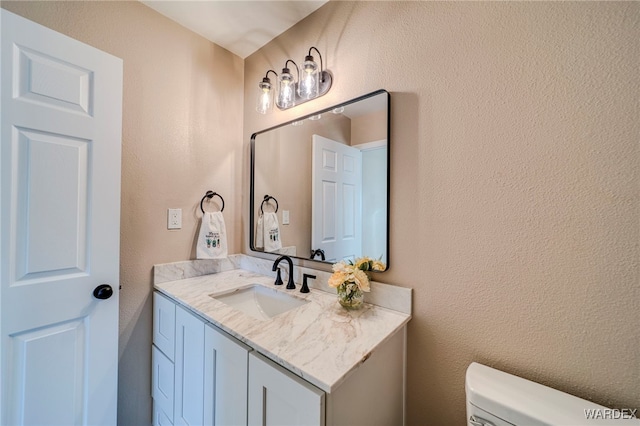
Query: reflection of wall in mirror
column 368, row 128
column 374, row 200
column 283, row 170
column 369, row 132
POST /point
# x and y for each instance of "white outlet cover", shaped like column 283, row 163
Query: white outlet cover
column 174, row 219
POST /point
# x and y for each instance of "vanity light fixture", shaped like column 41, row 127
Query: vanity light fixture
column 264, row 103
column 313, row 82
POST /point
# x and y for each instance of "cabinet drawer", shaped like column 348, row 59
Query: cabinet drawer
column 164, row 324
column 162, row 385
column 160, row 418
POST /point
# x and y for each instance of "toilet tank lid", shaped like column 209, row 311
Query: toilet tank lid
column 523, row 402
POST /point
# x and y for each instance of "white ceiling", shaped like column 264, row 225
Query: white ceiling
column 239, row 26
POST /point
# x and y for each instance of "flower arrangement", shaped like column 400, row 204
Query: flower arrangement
column 351, row 280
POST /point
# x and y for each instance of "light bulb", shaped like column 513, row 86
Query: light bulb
column 309, row 79
column 264, row 103
column 286, row 89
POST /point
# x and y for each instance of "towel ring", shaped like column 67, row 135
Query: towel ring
column 266, row 200
column 210, row 195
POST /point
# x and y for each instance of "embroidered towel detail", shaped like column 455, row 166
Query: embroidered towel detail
column 212, row 239
column 271, row 232
column 259, row 240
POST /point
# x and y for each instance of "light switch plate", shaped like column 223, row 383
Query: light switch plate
column 285, row 217
column 174, row 219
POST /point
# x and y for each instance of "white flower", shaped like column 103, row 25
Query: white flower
column 339, row 267
column 337, row 278
column 361, row 280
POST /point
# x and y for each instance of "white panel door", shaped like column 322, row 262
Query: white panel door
column 336, row 205
column 279, row 398
column 60, row 130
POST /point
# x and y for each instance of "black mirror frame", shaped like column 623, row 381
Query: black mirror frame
column 252, row 206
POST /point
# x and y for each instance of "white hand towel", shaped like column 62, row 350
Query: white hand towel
column 259, row 243
column 271, row 232
column 212, row 239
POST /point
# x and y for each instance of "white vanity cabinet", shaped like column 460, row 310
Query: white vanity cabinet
column 196, row 374
column 203, row 376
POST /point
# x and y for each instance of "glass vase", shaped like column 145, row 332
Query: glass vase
column 350, row 296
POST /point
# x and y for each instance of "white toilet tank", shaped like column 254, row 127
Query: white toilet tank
column 495, row 398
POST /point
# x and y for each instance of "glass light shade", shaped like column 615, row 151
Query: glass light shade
column 286, row 89
column 309, row 85
column 264, row 102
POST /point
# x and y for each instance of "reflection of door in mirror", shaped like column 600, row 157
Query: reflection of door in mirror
column 336, row 199
column 339, row 227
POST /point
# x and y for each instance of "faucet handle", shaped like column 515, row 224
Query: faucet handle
column 305, row 287
column 278, row 278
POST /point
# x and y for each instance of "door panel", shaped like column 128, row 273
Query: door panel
column 51, row 81
column 60, row 130
column 52, row 172
column 62, row 348
column 329, row 221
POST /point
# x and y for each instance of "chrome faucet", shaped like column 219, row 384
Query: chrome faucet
column 290, row 284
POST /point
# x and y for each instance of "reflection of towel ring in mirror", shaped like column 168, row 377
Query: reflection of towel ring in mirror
column 210, row 195
column 266, row 200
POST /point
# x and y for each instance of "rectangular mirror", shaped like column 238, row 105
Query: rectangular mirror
column 320, row 183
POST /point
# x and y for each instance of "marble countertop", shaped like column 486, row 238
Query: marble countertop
column 320, row 341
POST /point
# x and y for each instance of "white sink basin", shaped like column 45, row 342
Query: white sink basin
column 258, row 301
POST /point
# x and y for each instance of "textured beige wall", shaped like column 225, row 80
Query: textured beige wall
column 514, row 183
column 182, row 133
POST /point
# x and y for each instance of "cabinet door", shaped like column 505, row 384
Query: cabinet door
column 162, row 383
column 279, row 398
column 225, row 370
column 164, row 324
column 189, row 369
